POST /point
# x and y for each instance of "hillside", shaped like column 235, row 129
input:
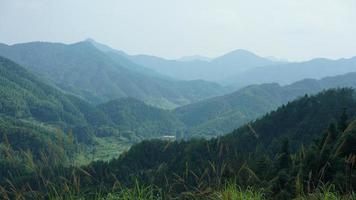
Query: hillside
column 38, row 118
column 23, row 96
column 222, row 114
column 30, row 108
column 258, row 153
column 96, row 76
column 136, row 119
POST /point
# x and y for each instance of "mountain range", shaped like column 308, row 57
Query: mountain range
column 292, row 72
column 99, row 74
column 240, row 68
column 96, row 76
column 197, row 67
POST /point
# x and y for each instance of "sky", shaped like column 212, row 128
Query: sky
column 290, row 29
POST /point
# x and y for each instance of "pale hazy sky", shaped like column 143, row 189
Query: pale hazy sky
column 292, row 29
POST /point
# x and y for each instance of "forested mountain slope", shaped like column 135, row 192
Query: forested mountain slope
column 23, row 96
column 301, row 121
column 96, row 76
column 222, row 114
column 135, row 118
column 34, row 110
column 257, row 153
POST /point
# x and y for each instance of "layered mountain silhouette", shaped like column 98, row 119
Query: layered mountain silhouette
column 291, row 72
column 240, row 68
column 217, row 69
column 96, row 76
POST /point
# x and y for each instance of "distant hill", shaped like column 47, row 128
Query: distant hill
column 240, row 68
column 291, row 72
column 216, row 69
column 98, row 76
column 196, row 67
column 236, row 69
column 222, row 114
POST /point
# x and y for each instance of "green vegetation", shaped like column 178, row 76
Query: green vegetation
column 303, row 150
column 219, row 115
column 35, row 116
column 142, row 120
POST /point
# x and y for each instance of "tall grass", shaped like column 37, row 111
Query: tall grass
column 232, row 192
column 208, row 185
column 327, row 192
column 137, row 193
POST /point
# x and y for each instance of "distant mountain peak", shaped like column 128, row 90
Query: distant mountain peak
column 89, row 40
column 244, row 59
column 82, row 43
column 239, row 54
column 103, row 47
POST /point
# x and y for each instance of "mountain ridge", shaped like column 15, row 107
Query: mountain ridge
column 87, row 72
column 214, row 69
column 291, row 72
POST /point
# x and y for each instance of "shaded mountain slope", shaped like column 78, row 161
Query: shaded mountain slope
column 135, row 118
column 33, row 109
